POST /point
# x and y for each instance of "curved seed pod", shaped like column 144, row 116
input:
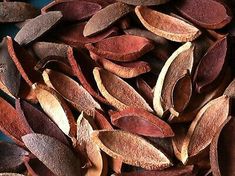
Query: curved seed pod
column 164, row 25
column 122, row 48
column 56, row 156
column 211, row 65
column 105, row 18
column 180, row 60
column 144, row 2
column 73, row 10
column 45, row 49
column 16, row 12
column 230, row 90
column 37, row 27
column 11, row 124
column 145, row 90
column 221, row 150
column 56, row 108
column 73, row 35
column 208, row 121
column 10, row 76
column 137, row 151
column 38, row 121
column 141, row 122
column 10, row 174
column 123, row 70
column 11, row 157
column 197, row 12
column 71, row 91
column 117, row 92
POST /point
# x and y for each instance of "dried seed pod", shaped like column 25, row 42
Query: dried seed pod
column 73, row 10
column 209, row 14
column 137, row 151
column 117, row 92
column 141, row 122
column 145, row 90
column 124, row 48
column 208, row 121
column 211, row 65
column 105, row 18
column 38, row 26
column 230, row 90
column 10, row 174
column 144, row 2
column 16, row 12
column 56, row 108
column 56, row 156
column 164, row 26
column 71, row 91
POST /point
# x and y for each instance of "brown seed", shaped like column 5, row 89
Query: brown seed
column 71, row 91
column 117, row 92
column 164, row 25
column 124, row 48
column 16, row 12
column 105, row 18
column 208, row 121
column 36, row 27
column 141, row 122
column 144, row 2
column 137, row 151
column 73, row 10
column 209, row 14
column 56, row 156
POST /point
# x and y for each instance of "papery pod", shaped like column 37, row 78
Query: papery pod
column 56, row 108
column 208, row 121
column 164, row 26
column 59, row 158
column 37, row 27
column 174, row 67
column 144, row 2
column 73, row 10
column 11, row 157
column 124, row 48
column 145, row 90
column 105, row 18
column 71, row 91
column 16, row 11
column 209, row 14
column 86, row 146
column 230, row 90
column 221, row 150
column 211, row 65
column 117, row 92
column 141, row 122
column 137, row 151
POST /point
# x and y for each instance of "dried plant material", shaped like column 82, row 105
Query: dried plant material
column 230, row 90
column 38, row 121
column 10, row 174
column 209, row 14
column 56, row 108
column 45, row 49
column 142, row 123
column 117, row 92
column 164, row 25
column 11, row 124
column 36, row 27
column 181, row 94
column 174, row 67
column 56, row 156
column 144, row 2
column 145, row 90
column 73, row 10
column 105, row 18
column 123, row 70
column 124, row 48
column 11, row 157
column 10, row 76
column 16, row 11
column 137, row 151
column 221, row 151
column 208, row 121
column 88, row 147
column 101, row 121
column 73, row 35
column 71, row 91
column 211, row 65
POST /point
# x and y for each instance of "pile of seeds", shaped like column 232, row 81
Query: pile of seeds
column 126, row 87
